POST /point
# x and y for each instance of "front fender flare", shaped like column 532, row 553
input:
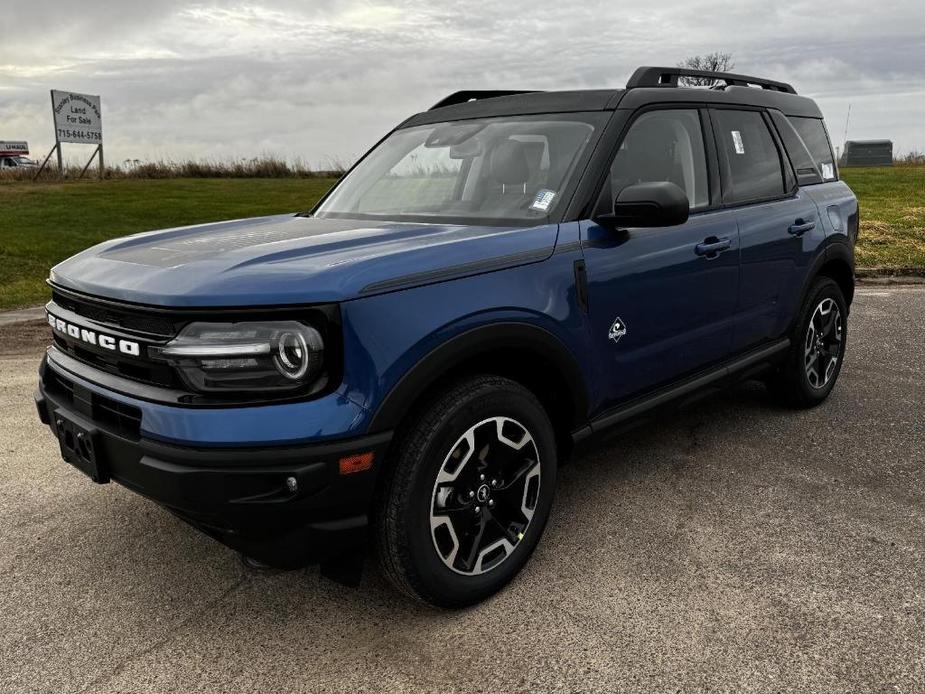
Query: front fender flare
column 480, row 340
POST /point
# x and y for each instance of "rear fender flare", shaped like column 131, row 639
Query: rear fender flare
column 834, row 251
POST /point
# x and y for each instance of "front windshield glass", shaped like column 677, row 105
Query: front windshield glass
column 492, row 170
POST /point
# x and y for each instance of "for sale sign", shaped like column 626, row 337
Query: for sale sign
column 77, row 118
column 16, row 148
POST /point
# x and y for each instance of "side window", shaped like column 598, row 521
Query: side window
column 749, row 159
column 662, row 146
column 812, row 131
column 803, row 163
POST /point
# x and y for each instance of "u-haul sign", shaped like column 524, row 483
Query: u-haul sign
column 15, row 148
column 77, row 117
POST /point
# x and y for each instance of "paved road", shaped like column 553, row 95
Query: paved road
column 737, row 547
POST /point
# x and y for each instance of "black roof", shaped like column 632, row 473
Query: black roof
column 517, row 105
column 648, row 85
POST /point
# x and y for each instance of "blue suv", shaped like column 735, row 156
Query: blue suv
column 499, row 280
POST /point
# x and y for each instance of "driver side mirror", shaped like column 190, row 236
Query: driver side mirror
column 652, row 204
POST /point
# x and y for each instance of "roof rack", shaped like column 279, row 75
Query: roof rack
column 475, row 95
column 668, row 77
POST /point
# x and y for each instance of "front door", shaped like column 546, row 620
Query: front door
column 661, row 301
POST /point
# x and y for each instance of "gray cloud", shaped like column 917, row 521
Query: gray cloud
column 324, row 79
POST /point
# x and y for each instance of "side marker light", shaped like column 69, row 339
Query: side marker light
column 356, row 463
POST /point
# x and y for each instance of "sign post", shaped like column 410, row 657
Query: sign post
column 78, row 119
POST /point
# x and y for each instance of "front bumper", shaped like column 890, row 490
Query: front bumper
column 244, row 497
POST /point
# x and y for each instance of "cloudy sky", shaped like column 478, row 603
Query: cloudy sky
column 321, row 80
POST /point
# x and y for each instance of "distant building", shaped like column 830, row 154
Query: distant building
column 868, row 153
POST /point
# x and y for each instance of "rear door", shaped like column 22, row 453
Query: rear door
column 779, row 226
column 661, row 303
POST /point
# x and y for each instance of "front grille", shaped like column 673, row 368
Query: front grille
column 144, row 371
column 116, row 317
column 111, row 414
column 151, row 326
column 136, row 324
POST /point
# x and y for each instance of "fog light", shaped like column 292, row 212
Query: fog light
column 292, row 484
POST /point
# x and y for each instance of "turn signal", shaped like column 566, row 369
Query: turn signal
column 356, row 463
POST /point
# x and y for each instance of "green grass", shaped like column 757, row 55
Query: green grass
column 892, row 216
column 42, row 224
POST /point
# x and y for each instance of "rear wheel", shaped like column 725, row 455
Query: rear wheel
column 817, row 348
column 469, row 493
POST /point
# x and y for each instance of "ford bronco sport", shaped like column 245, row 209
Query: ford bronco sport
column 500, row 279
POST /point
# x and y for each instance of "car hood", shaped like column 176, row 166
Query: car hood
column 289, row 259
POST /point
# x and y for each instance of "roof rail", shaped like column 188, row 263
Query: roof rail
column 668, row 77
column 475, row 95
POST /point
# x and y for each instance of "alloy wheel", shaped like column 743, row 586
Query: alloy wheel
column 822, row 346
column 485, row 496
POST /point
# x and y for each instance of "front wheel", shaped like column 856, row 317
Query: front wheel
column 817, row 348
column 469, row 493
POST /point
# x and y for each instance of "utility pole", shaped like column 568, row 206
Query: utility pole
column 847, row 120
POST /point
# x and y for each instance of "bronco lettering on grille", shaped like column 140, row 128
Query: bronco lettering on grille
column 92, row 337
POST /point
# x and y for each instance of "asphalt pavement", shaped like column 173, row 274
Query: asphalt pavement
column 734, row 547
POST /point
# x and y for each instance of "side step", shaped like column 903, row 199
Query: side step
column 638, row 406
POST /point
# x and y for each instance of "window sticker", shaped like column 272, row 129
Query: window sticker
column 737, row 141
column 828, row 171
column 543, row 200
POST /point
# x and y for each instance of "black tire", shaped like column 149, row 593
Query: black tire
column 795, row 383
column 408, row 498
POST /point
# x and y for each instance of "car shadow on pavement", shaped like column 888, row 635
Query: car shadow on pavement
column 143, row 556
column 663, row 451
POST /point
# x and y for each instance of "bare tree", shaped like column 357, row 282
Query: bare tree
column 712, row 62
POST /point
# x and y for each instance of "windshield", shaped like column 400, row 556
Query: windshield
column 492, row 170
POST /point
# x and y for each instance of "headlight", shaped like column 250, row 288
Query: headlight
column 246, row 357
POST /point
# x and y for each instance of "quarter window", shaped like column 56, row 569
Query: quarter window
column 662, row 146
column 812, row 131
column 749, row 158
column 806, row 170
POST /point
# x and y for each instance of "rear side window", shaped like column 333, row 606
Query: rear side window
column 812, row 131
column 749, row 159
column 803, row 164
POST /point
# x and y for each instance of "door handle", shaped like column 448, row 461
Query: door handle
column 799, row 227
column 711, row 247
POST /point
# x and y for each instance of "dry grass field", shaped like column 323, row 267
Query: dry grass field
column 892, row 216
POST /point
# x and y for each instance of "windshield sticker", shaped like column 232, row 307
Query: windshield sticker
column 543, row 200
column 737, row 140
column 828, row 171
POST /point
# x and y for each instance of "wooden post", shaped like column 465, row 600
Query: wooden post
column 102, row 165
column 98, row 150
column 45, row 163
column 51, row 93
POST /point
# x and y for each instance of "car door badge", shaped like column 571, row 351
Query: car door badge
column 617, row 330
